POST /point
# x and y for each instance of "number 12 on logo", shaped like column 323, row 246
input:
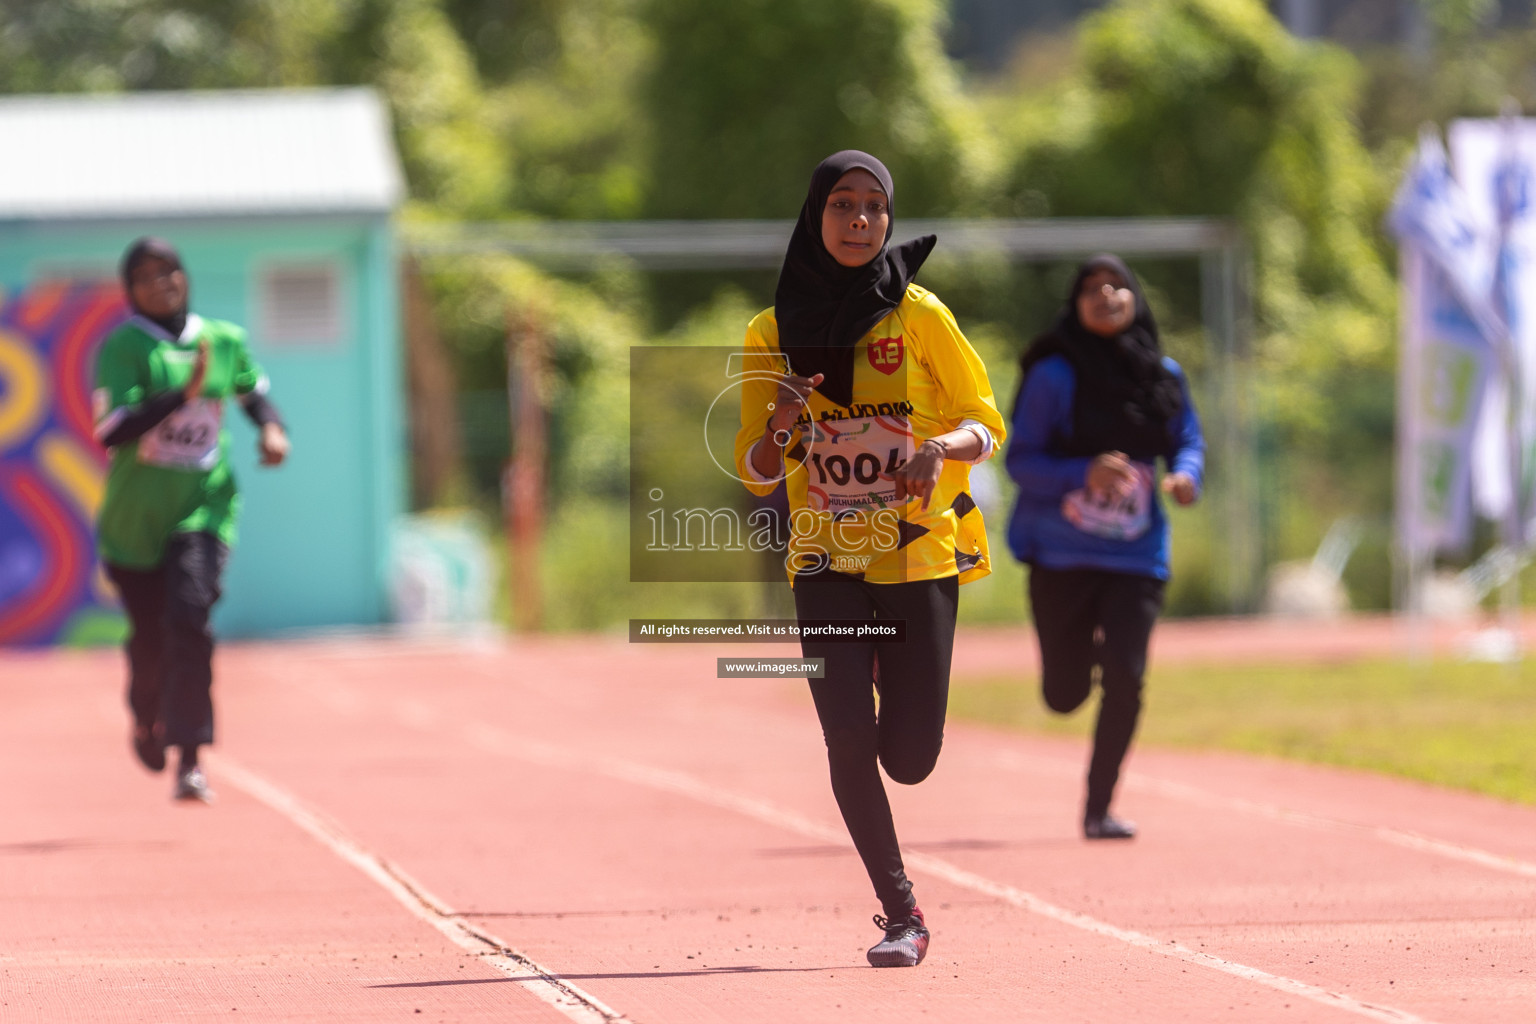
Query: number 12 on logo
column 886, row 354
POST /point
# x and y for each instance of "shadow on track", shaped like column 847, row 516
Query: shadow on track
column 936, row 846
column 701, row 972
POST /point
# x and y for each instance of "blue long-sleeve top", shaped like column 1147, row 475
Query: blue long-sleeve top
column 1038, row 533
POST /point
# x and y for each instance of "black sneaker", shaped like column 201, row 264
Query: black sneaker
column 1102, row 826
column 905, row 943
column 192, row 784
column 147, row 745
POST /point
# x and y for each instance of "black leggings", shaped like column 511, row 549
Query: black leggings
column 1085, row 617
column 170, row 644
column 913, row 681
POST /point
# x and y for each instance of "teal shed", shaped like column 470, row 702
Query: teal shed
column 282, row 203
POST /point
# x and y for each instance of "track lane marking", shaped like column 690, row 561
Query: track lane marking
column 545, row 984
column 549, row 755
column 1397, row 837
column 421, row 715
column 1274, row 812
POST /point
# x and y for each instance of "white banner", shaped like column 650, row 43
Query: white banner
column 1434, row 214
column 1449, row 330
column 1495, row 161
column 1446, row 366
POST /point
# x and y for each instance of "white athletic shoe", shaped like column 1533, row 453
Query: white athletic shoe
column 192, row 784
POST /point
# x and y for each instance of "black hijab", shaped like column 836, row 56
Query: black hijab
column 822, row 307
column 1125, row 398
column 157, row 248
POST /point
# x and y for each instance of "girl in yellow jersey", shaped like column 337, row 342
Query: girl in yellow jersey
column 866, row 401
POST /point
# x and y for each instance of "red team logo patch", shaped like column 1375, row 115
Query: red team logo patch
column 885, row 354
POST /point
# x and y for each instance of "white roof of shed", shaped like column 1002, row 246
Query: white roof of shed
column 278, row 151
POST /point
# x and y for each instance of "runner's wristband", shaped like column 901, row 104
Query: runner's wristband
column 144, row 417
column 260, row 410
column 943, row 448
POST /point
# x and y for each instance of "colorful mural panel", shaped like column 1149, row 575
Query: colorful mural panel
column 52, row 471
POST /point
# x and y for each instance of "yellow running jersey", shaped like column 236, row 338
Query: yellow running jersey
column 915, row 377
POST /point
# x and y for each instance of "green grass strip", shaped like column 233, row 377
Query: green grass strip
column 1464, row 725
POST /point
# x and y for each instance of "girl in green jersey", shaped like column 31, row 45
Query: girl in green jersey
column 167, row 520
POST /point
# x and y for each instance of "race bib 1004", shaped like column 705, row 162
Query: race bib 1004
column 186, row 439
column 848, row 460
column 1113, row 518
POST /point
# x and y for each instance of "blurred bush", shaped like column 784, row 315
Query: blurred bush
column 745, row 98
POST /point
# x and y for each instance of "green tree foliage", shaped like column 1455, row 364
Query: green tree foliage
column 745, row 98
column 1456, row 20
column 408, row 48
column 455, row 165
column 107, row 45
column 567, row 112
column 585, row 330
column 1464, row 71
column 1210, row 107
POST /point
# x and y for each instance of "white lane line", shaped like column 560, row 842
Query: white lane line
column 499, row 741
column 547, row 985
column 1455, row 851
column 1397, row 837
column 1273, row 812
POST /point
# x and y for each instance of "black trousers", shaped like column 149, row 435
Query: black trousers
column 170, row 644
column 905, row 734
column 1086, row 619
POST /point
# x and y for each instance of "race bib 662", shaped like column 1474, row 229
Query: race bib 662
column 186, row 439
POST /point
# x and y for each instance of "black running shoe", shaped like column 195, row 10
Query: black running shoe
column 1102, row 826
column 905, row 943
column 147, row 745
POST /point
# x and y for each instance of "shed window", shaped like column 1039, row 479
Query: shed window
column 301, row 304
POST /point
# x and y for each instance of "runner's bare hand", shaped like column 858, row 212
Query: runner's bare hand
column 793, row 395
column 1182, row 487
column 273, row 444
column 1111, row 475
column 919, row 475
column 199, row 371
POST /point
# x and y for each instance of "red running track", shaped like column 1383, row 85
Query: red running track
column 653, row 843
